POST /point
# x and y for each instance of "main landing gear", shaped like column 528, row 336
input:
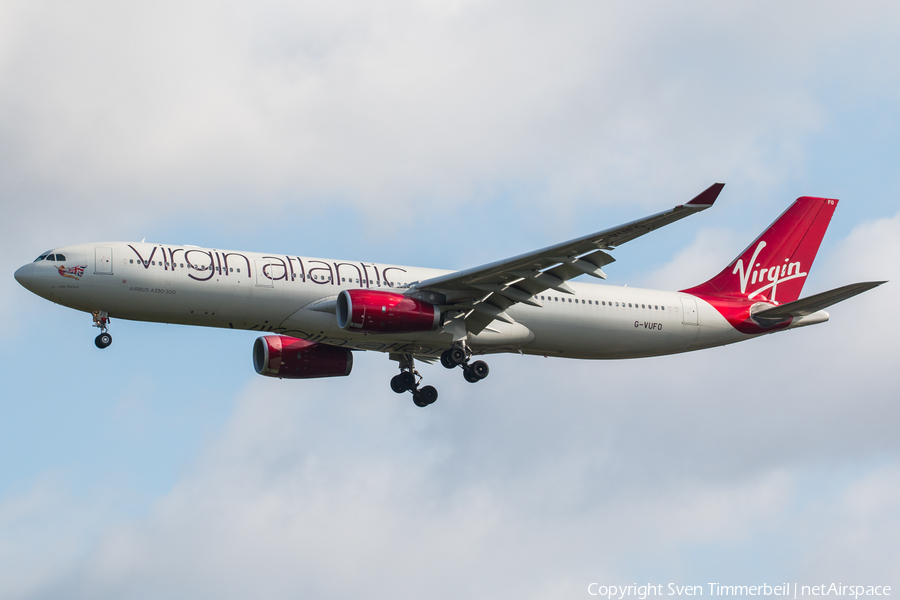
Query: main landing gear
column 101, row 320
column 408, row 381
column 458, row 356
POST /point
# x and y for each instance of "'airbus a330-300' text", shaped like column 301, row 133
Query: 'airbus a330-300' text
column 316, row 312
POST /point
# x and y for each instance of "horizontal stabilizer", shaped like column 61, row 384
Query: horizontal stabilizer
column 817, row 302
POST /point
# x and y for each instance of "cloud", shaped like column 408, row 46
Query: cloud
column 44, row 530
column 294, row 499
column 404, row 101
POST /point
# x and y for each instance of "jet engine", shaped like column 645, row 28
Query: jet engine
column 373, row 311
column 292, row 358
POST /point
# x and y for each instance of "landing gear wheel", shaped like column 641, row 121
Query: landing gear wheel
column 480, row 369
column 445, row 360
column 425, row 396
column 456, row 355
column 475, row 372
column 397, row 385
column 103, row 340
column 406, row 380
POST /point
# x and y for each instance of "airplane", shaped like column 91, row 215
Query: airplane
column 316, row 311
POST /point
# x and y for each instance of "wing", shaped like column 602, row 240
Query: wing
column 483, row 294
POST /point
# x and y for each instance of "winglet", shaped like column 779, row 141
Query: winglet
column 707, row 196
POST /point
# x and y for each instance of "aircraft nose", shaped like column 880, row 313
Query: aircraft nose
column 25, row 275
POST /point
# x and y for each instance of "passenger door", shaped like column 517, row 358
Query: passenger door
column 103, row 261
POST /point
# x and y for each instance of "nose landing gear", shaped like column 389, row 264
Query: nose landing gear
column 408, row 381
column 458, row 356
column 101, row 320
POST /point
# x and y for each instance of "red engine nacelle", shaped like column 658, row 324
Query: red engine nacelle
column 372, row 311
column 291, row 358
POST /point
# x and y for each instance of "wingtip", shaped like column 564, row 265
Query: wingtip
column 708, row 196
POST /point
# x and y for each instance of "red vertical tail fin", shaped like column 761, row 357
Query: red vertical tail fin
column 774, row 267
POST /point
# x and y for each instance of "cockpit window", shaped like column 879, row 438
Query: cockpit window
column 60, row 257
column 42, row 256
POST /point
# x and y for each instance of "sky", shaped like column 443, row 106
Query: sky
column 446, row 134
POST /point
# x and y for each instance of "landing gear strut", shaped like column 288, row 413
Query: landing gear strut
column 101, row 320
column 458, row 356
column 408, row 381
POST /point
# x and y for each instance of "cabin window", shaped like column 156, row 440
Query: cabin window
column 239, row 270
column 662, row 308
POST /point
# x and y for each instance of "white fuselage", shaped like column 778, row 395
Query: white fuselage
column 289, row 294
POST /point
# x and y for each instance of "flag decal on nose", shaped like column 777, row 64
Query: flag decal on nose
column 73, row 272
